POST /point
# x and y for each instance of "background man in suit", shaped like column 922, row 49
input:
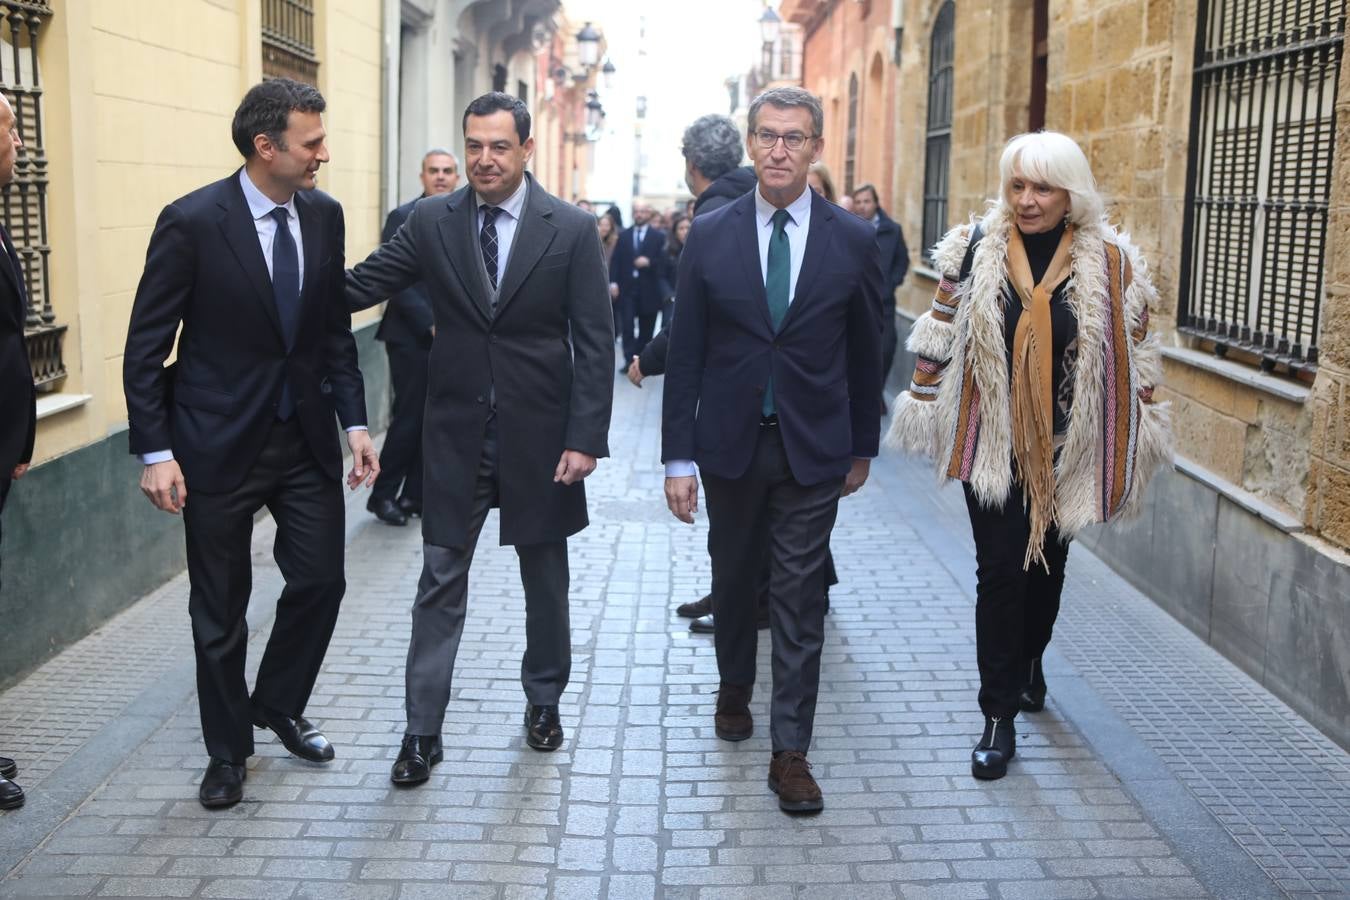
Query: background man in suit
column 520, row 394
column 894, row 265
column 635, row 279
column 252, row 268
column 18, row 410
column 407, row 329
column 777, row 303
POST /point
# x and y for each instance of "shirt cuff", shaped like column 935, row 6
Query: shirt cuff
column 680, row 468
column 157, row 456
column 357, row 428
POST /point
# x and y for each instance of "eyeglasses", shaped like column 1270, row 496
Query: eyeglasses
column 793, row 140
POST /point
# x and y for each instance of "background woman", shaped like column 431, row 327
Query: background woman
column 1034, row 387
column 822, row 182
column 678, row 234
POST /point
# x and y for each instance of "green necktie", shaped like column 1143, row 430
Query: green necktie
column 777, row 280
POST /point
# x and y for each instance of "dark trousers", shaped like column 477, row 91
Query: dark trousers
column 1015, row 610
column 442, row 601
column 889, row 339
column 307, row 506
column 401, row 456
column 766, row 513
column 636, row 327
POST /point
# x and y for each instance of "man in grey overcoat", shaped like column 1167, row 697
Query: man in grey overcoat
column 520, row 386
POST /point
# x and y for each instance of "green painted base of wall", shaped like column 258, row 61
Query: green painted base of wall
column 81, row 543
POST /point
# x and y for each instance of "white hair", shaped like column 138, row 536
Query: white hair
column 1048, row 157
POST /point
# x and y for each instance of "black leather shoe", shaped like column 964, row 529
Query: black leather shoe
column 702, row 625
column 11, row 795
column 222, row 785
column 297, row 735
column 388, row 512
column 8, row 767
column 998, row 744
column 410, row 507
column 415, row 758
column 692, row 610
column 1032, row 698
column 543, row 728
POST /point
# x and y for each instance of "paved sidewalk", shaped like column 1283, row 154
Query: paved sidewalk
column 1156, row 770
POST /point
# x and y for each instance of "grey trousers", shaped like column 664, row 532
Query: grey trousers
column 442, row 599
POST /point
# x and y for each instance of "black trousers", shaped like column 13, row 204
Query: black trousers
column 5, row 483
column 442, row 603
column 307, row 506
column 1015, row 610
column 889, row 339
column 763, row 514
column 631, row 317
column 401, row 456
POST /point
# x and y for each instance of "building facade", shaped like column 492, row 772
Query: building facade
column 121, row 113
column 1220, row 136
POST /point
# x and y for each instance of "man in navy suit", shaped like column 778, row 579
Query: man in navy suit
column 18, row 412
column 894, row 263
column 251, row 268
column 407, row 329
column 636, row 280
column 773, row 390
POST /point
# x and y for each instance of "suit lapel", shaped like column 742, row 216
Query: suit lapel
column 747, row 236
column 312, row 236
column 817, row 246
column 534, row 232
column 12, row 268
column 459, row 231
column 241, row 235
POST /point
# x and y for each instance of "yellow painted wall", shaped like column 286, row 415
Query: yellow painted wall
column 137, row 114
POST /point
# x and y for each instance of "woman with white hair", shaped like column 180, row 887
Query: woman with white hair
column 1034, row 388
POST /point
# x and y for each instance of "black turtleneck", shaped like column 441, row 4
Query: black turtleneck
column 1063, row 325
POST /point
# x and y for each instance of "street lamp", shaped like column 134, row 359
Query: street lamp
column 588, row 46
column 769, row 24
column 608, row 70
column 641, row 107
column 595, row 114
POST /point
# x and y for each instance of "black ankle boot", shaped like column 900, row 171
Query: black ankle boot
column 1032, row 698
column 997, row 745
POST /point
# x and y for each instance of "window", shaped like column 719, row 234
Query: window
column 1259, row 176
column 288, row 40
column 851, row 146
column 938, row 147
column 25, row 198
column 1040, row 60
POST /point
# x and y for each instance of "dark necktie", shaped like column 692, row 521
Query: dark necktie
column 777, row 281
column 286, row 293
column 487, row 239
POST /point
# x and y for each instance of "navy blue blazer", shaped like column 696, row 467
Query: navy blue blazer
column 825, row 358
column 407, row 317
column 18, row 414
column 214, row 407
column 647, row 290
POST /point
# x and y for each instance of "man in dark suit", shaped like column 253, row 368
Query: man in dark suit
column 407, row 329
column 18, row 411
column 772, row 388
column 251, row 267
column 636, row 279
column 520, row 392
column 894, row 266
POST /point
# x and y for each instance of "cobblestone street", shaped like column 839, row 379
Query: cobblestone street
column 1156, row 770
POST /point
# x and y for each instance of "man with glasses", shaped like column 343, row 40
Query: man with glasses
column 791, row 353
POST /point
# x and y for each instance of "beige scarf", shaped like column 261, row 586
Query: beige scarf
column 1032, row 401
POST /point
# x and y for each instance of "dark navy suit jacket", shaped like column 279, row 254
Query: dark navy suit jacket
column 407, row 317
column 825, row 358
column 646, row 291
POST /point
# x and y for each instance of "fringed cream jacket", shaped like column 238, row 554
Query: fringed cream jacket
column 957, row 408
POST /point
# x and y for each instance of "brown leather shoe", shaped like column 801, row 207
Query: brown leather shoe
column 732, row 721
column 790, row 778
column 696, row 608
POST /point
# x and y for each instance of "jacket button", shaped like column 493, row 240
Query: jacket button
column 759, row 390
column 482, row 399
column 492, row 339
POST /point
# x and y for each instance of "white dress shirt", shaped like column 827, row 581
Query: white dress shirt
column 796, row 229
column 260, row 206
column 506, row 223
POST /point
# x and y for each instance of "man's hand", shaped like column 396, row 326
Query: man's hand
column 19, row 471
column 641, row 262
column 365, row 461
column 573, row 466
column 682, row 497
column 613, row 291
column 857, row 475
column 635, row 373
column 163, row 483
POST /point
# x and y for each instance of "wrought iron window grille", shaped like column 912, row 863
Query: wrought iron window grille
column 1258, row 185
column 288, row 40
column 938, row 141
